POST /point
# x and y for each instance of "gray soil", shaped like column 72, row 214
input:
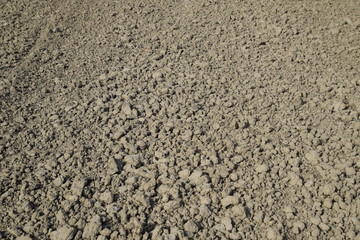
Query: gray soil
column 179, row 119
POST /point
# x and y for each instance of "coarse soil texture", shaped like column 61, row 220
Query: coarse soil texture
column 179, row 119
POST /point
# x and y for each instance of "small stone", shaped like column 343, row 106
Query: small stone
column 198, row 178
column 339, row 105
column 92, row 228
column 190, row 226
column 259, row 217
column 312, row 156
column 227, row 223
column 288, row 209
column 315, row 220
column 187, row 135
column 114, row 235
column 184, row 174
column 327, row 203
column 324, row 227
column 350, row 171
column 295, row 179
column 328, row 189
column 239, row 211
column 233, row 177
column 133, row 160
column 295, row 162
column 126, row 109
column 113, row 166
column 120, row 132
column 261, row 168
column 234, row 236
column 204, row 211
column 101, row 237
column 195, row 176
column 272, row 234
column 171, row 237
column 78, row 186
column 63, row 233
column 105, row 232
column 334, row 31
column 24, row 238
column 298, row 227
column 157, row 75
column 106, row 197
column 278, row 31
column 58, row 181
column 229, row 200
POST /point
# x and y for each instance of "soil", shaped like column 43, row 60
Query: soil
column 179, row 119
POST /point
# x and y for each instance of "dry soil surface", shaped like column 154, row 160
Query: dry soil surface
column 179, row 119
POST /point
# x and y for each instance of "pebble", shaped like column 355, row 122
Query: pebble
column 133, row 160
column 204, row 210
column 106, row 197
column 92, row 228
column 272, row 234
column 239, row 211
column 328, row 189
column 190, row 226
column 195, row 176
column 298, row 227
column 58, row 181
column 113, row 166
column 315, row 220
column 157, row 75
column 24, row 238
column 324, row 227
column 261, row 168
column 126, row 109
column 78, row 186
column 227, row 223
column 184, row 174
column 63, row 233
column 229, row 200
column 312, row 156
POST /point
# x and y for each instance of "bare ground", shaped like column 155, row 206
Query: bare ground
column 179, row 119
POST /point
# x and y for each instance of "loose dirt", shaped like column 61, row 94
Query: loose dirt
column 179, row 119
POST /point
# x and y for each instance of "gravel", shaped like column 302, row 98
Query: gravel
column 179, row 120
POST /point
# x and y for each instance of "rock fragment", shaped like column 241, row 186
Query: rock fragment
column 298, row 227
column 204, row 210
column 239, row 211
column 92, row 228
column 157, row 75
column 113, row 166
column 312, row 156
column 191, row 226
column 227, row 223
column 261, row 168
column 126, row 109
column 328, row 189
column 58, row 181
column 63, row 233
column 273, row 234
column 78, row 186
column 24, row 238
column 229, row 200
column 133, row 160
column 324, row 227
column 106, row 197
